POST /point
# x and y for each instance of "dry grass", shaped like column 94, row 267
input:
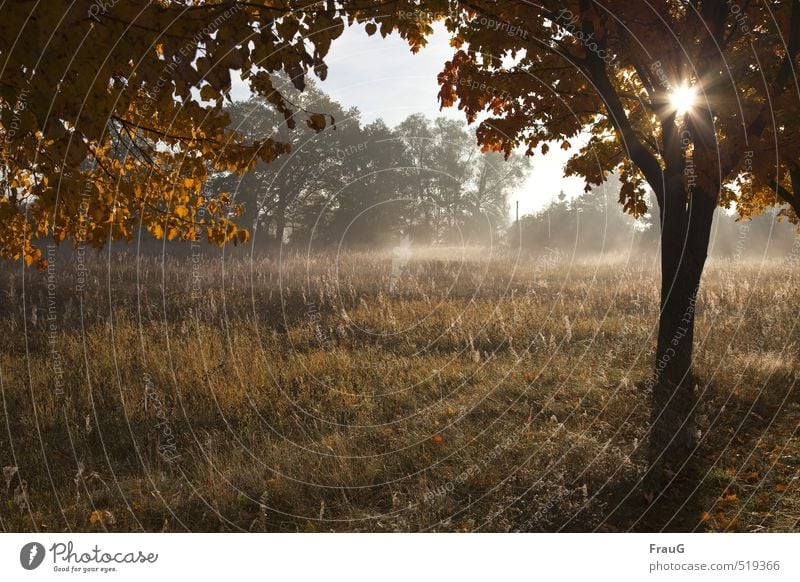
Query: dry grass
column 480, row 393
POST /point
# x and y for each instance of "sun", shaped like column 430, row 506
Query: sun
column 683, row 99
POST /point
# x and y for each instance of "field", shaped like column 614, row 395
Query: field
column 418, row 391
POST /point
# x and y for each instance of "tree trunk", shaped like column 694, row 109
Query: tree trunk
column 685, row 232
column 280, row 228
column 280, row 225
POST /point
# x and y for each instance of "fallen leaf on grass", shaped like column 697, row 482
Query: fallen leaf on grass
column 102, row 517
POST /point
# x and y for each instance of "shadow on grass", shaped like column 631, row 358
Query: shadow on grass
column 737, row 426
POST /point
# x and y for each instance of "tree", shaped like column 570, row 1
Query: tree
column 462, row 192
column 373, row 201
column 274, row 194
column 688, row 98
column 158, row 73
column 591, row 224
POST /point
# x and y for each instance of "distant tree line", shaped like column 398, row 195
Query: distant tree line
column 357, row 185
column 368, row 186
column 594, row 224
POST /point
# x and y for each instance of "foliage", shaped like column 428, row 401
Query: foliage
column 595, row 225
column 463, row 193
column 351, row 185
column 607, row 72
column 112, row 113
column 591, row 224
column 273, row 194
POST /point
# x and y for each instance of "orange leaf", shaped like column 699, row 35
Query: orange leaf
column 102, row 517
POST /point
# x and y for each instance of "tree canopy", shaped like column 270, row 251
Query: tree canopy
column 611, row 69
column 366, row 186
column 112, row 112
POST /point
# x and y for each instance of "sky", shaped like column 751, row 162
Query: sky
column 385, row 80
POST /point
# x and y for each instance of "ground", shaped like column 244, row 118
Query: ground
column 444, row 390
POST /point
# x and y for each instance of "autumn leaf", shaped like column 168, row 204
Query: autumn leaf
column 102, row 517
column 750, row 477
column 316, row 122
column 209, row 93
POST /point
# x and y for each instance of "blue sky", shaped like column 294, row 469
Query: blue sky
column 385, row 80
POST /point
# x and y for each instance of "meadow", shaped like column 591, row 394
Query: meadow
column 446, row 390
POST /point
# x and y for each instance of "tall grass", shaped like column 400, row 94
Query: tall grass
column 459, row 391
